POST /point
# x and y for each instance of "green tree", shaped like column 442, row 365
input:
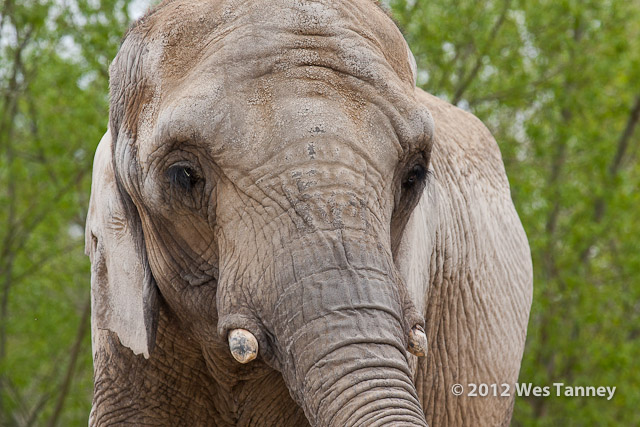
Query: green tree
column 54, row 60
column 558, row 84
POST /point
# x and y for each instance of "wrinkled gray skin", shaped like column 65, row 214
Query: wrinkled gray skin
column 263, row 170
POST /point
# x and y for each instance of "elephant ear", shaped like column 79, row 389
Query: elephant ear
column 466, row 259
column 123, row 291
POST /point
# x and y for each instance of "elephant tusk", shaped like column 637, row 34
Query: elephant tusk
column 243, row 345
column 418, row 341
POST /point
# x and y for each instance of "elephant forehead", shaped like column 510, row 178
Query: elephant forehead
column 187, row 30
column 262, row 72
column 242, row 128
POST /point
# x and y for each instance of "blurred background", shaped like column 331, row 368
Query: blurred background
column 556, row 81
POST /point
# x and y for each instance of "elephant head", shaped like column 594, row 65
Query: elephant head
column 262, row 162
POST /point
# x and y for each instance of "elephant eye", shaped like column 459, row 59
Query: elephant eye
column 183, row 177
column 416, row 174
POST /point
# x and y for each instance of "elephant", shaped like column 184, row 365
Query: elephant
column 284, row 230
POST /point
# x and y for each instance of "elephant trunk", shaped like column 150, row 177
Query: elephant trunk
column 343, row 330
column 359, row 379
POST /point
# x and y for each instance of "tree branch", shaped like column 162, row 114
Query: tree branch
column 71, row 367
column 599, row 205
column 10, row 107
column 550, row 262
column 625, row 137
column 478, row 64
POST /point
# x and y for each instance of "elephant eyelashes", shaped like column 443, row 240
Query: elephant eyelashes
column 416, row 174
column 182, row 177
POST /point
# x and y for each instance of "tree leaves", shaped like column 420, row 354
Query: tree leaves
column 557, row 82
column 558, row 87
column 53, row 112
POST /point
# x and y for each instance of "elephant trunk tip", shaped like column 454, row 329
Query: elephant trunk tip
column 417, row 341
column 243, row 345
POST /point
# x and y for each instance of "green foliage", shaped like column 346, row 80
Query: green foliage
column 558, row 84
column 54, row 60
